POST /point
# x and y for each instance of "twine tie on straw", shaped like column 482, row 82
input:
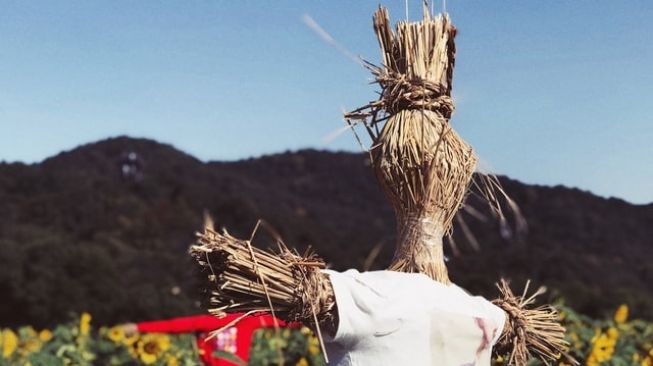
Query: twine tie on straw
column 401, row 93
column 428, row 230
column 529, row 330
column 315, row 298
column 420, row 246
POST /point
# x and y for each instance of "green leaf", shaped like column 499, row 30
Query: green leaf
column 229, row 357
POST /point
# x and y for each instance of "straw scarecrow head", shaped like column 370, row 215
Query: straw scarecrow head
column 423, row 166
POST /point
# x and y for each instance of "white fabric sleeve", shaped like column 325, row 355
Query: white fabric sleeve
column 497, row 315
column 487, row 310
column 356, row 302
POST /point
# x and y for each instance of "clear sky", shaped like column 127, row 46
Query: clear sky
column 548, row 92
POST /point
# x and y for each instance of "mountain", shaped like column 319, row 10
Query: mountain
column 105, row 228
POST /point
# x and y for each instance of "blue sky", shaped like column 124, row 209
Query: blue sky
column 548, row 92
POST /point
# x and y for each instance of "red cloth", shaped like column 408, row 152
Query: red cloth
column 234, row 339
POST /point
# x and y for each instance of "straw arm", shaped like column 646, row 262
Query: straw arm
column 530, row 331
column 243, row 278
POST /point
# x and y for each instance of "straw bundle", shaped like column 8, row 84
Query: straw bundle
column 247, row 279
column 422, row 165
column 425, row 168
column 529, row 331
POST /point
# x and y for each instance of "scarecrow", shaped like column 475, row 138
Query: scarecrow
column 411, row 313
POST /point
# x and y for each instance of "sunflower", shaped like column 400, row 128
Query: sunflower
column 602, row 350
column 151, row 346
column 621, row 315
column 85, row 324
column 313, row 345
column 116, row 334
column 172, row 360
column 130, row 339
column 29, row 345
column 45, row 335
column 9, row 342
column 647, row 361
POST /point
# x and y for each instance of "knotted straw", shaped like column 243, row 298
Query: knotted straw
column 529, row 331
column 422, row 165
column 425, row 169
column 247, row 279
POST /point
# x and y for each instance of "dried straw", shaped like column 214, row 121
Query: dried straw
column 529, row 331
column 425, row 169
column 423, row 166
column 421, row 163
column 245, row 279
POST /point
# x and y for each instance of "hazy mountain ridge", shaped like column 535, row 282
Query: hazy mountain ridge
column 105, row 228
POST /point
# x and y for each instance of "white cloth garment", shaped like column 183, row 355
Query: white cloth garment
column 402, row 319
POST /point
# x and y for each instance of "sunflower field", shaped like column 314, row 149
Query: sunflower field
column 78, row 343
column 615, row 341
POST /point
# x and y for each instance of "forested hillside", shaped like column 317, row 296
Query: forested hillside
column 105, row 228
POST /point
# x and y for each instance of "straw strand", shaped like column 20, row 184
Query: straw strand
column 529, row 331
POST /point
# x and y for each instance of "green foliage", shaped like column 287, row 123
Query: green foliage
column 286, row 347
column 78, row 343
column 76, row 235
column 614, row 341
column 229, row 357
column 67, row 344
